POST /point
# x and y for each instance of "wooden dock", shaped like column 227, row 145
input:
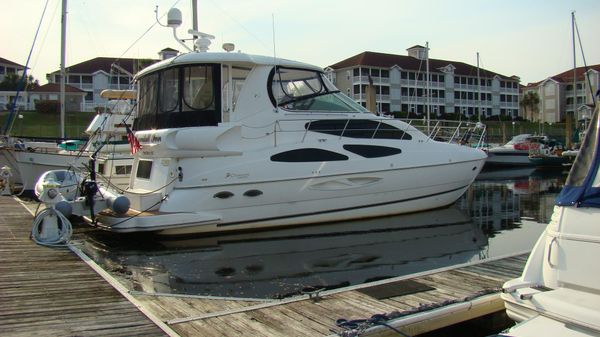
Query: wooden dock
column 33, row 299
column 454, row 295
column 52, row 292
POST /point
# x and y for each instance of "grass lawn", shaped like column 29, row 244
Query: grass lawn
column 34, row 124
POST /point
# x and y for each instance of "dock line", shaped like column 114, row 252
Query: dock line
column 203, row 297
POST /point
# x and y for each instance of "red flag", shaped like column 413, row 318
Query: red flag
column 133, row 141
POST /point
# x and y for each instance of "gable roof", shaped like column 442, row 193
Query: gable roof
column 383, row 60
column 105, row 63
column 5, row 61
column 567, row 76
column 55, row 87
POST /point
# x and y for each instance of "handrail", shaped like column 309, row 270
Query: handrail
column 456, row 132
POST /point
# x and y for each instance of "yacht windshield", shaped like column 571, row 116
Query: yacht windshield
column 181, row 96
column 308, row 91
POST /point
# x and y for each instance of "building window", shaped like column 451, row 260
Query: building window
column 356, row 72
column 403, row 75
column 2, row 70
column 74, row 79
column 385, row 73
column 86, row 79
column 89, row 96
column 385, row 107
column 375, row 72
column 441, row 78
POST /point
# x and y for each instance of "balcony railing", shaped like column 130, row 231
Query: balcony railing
column 376, row 80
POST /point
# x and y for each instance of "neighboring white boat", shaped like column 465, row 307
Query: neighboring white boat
column 108, row 142
column 559, row 291
column 516, row 152
column 232, row 141
column 10, row 144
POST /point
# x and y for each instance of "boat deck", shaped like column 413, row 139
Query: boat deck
column 51, row 290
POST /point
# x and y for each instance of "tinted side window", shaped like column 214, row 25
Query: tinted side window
column 308, row 155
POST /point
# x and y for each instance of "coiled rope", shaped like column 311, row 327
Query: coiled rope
column 65, row 229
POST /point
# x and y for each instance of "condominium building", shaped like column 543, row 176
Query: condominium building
column 557, row 95
column 9, row 67
column 401, row 85
column 100, row 73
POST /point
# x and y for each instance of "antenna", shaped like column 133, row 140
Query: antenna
column 273, row 28
column 274, row 55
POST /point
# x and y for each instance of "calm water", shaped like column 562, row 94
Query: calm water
column 503, row 212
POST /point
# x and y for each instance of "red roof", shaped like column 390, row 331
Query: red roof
column 382, row 60
column 567, row 76
column 55, row 87
column 5, row 61
column 105, row 63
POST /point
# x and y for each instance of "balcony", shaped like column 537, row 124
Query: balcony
column 421, row 84
column 378, row 98
column 365, row 80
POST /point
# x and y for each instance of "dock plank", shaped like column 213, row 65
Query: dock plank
column 27, row 296
column 52, row 292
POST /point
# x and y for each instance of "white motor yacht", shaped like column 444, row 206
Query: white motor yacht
column 233, row 141
column 558, row 293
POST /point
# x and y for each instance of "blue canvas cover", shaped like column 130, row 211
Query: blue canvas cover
column 582, row 188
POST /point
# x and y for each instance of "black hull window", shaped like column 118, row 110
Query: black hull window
column 308, row 155
column 179, row 97
column 357, row 128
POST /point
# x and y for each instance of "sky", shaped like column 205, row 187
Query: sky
column 528, row 38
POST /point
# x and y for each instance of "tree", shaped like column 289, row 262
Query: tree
column 12, row 82
column 530, row 100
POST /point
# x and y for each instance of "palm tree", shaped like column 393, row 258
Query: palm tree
column 530, row 100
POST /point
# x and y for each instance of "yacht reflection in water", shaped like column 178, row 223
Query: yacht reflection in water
column 286, row 262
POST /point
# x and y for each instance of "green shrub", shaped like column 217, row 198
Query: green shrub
column 47, row 106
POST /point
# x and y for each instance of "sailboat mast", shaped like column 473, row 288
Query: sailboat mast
column 63, row 73
column 427, row 78
column 568, row 116
column 478, row 88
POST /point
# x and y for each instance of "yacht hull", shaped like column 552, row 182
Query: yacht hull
column 279, row 203
column 508, row 158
